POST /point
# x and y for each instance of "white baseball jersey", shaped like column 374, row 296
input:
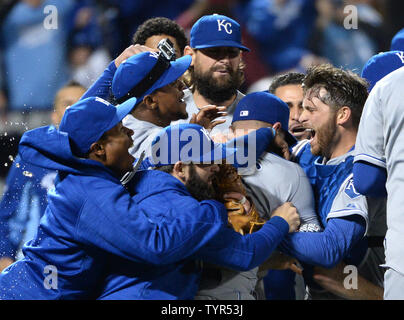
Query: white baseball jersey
column 380, row 141
column 192, row 108
column 144, row 133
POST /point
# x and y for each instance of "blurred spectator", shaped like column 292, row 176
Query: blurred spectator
column 397, row 43
column 24, row 199
column 344, row 42
column 34, row 38
column 133, row 13
column 87, row 55
column 281, row 29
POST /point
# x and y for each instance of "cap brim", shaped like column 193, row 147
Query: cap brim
column 222, row 43
column 176, row 70
column 123, row 109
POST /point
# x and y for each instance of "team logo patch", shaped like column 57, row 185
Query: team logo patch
column 350, row 190
column 244, row 113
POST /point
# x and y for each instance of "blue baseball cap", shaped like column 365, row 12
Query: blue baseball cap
column 87, row 120
column 381, row 65
column 187, row 143
column 216, row 31
column 137, row 69
column 397, row 43
column 267, row 107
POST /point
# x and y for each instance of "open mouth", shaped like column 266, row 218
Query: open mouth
column 298, row 130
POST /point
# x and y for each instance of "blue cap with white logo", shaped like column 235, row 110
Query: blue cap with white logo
column 135, row 75
column 187, row 143
column 380, row 65
column 266, row 107
column 88, row 119
column 216, row 31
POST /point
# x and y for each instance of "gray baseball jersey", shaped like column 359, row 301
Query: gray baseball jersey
column 272, row 182
column 192, row 108
column 347, row 201
column 380, row 141
column 143, row 134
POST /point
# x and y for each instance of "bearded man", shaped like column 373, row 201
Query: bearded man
column 216, row 70
column 332, row 107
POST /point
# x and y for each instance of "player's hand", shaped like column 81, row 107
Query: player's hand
column 280, row 261
column 5, row 262
column 207, row 115
column 131, row 51
column 288, row 212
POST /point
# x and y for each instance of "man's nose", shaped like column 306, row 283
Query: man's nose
column 303, row 116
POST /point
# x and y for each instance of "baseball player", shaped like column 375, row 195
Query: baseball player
column 216, row 71
column 270, row 182
column 332, row 104
column 378, row 158
column 288, row 88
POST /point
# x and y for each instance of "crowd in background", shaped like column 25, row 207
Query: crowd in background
column 283, row 35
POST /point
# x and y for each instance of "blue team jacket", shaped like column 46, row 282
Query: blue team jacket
column 90, row 220
column 167, row 200
column 96, row 240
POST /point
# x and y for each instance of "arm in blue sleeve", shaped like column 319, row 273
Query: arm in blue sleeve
column 101, row 87
column 9, row 208
column 256, row 142
column 369, row 179
column 232, row 250
column 327, row 248
column 120, row 225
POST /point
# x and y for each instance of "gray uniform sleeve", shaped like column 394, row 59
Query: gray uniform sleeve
column 349, row 202
column 303, row 200
column 370, row 141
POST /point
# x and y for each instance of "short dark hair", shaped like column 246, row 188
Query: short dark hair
column 157, row 26
column 285, row 79
column 167, row 169
column 344, row 88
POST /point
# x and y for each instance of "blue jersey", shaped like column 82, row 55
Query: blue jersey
column 22, row 205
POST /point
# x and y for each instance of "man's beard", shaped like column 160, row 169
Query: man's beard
column 199, row 189
column 215, row 90
column 326, row 137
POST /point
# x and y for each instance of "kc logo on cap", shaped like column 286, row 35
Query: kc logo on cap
column 221, row 23
column 216, row 30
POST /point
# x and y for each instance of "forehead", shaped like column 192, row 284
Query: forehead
column 315, row 98
column 289, row 91
column 69, row 95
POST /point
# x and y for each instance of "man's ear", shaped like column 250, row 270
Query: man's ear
column 179, row 171
column 191, row 52
column 98, row 150
column 343, row 115
column 150, row 102
column 277, row 126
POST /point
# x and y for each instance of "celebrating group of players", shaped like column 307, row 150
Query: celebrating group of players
column 136, row 213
